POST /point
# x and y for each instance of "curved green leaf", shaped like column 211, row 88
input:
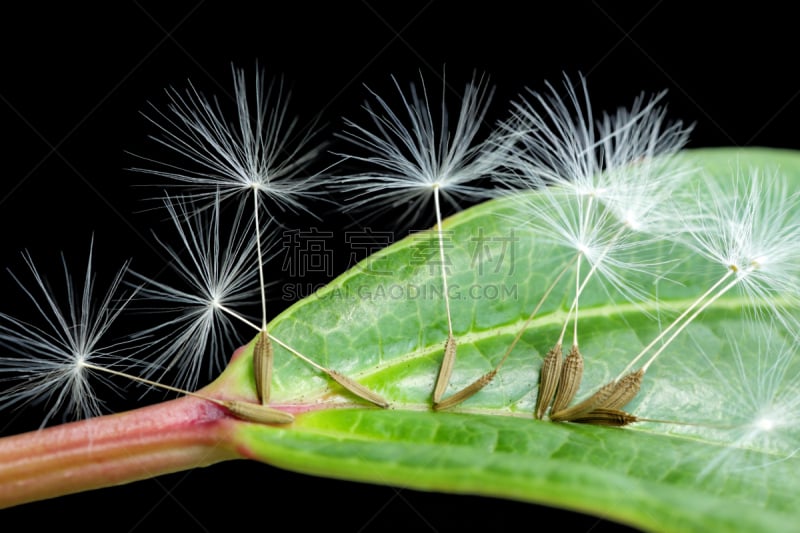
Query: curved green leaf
column 383, row 323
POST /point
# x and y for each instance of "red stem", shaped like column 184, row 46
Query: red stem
column 110, row 450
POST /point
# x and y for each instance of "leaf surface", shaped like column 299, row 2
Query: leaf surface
column 383, row 323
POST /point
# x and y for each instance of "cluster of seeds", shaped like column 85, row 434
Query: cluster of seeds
column 605, row 185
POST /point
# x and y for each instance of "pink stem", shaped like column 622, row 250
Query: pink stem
column 110, row 450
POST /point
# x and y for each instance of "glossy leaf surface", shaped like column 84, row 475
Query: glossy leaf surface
column 383, row 323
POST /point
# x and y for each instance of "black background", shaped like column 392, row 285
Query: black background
column 76, row 79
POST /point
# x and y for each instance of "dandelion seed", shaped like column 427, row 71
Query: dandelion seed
column 612, row 251
column 750, row 229
column 760, row 379
column 560, row 142
column 217, row 279
column 418, row 159
column 215, row 273
column 53, row 362
column 607, row 180
column 264, row 152
column 602, row 188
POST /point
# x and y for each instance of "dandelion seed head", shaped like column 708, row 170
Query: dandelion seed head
column 414, row 155
column 632, row 220
column 585, row 249
column 51, row 361
column 262, row 150
column 621, row 157
column 765, row 422
column 753, row 381
column 748, row 223
column 216, row 270
column 759, row 262
column 608, row 182
column 772, row 430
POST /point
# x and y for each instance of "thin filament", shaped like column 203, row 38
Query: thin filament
column 236, row 315
column 678, row 320
column 535, row 310
column 442, row 259
column 689, row 320
column 260, row 263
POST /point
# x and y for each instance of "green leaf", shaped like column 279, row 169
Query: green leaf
column 383, row 323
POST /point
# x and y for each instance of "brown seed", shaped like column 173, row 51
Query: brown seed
column 606, row 417
column 262, row 366
column 548, row 380
column 358, row 389
column 626, row 390
column 570, row 382
column 448, row 361
column 595, row 401
column 253, row 412
column 466, row 392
